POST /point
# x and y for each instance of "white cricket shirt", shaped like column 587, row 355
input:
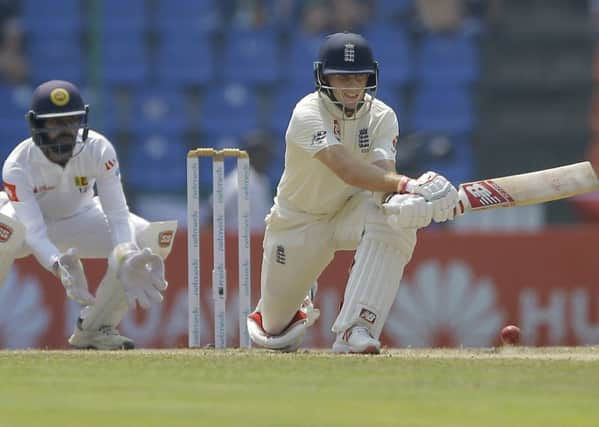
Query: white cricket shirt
column 309, row 187
column 42, row 191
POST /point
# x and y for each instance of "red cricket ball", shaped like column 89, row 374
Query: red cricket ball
column 510, row 335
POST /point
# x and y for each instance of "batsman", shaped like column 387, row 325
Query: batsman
column 63, row 200
column 340, row 191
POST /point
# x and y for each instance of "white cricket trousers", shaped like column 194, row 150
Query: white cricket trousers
column 294, row 258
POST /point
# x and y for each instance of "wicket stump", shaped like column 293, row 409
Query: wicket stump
column 219, row 275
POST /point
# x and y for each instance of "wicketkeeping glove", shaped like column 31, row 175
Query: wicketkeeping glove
column 69, row 270
column 142, row 274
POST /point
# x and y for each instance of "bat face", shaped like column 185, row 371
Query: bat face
column 528, row 188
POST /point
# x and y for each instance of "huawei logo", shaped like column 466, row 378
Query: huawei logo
column 445, row 307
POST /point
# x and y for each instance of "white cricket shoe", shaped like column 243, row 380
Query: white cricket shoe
column 105, row 338
column 356, row 339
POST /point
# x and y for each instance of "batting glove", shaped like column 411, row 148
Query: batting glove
column 407, row 211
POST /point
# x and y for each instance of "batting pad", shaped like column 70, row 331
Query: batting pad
column 111, row 301
column 374, row 279
column 159, row 237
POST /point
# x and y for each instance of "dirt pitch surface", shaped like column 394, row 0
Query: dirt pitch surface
column 589, row 353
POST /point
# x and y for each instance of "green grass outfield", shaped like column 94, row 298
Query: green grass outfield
column 506, row 387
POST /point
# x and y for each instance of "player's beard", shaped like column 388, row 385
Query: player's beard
column 60, row 149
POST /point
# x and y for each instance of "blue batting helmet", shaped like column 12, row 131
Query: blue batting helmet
column 345, row 53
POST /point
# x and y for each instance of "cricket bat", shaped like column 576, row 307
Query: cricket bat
column 528, row 188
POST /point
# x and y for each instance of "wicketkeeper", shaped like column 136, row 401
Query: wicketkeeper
column 340, row 191
column 48, row 208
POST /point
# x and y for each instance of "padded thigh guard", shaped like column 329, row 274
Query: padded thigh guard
column 158, row 236
column 111, row 301
column 379, row 263
column 12, row 238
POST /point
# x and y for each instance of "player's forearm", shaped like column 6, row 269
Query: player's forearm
column 115, row 207
column 42, row 248
column 373, row 178
column 359, row 173
column 36, row 233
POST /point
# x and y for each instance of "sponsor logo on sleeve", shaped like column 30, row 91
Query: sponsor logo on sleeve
column 11, row 191
column 110, row 164
column 319, row 137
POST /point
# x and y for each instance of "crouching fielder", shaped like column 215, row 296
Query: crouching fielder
column 48, row 209
column 340, row 191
